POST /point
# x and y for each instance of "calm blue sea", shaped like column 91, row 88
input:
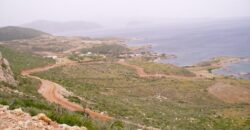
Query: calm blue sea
column 241, row 70
column 191, row 43
column 195, row 45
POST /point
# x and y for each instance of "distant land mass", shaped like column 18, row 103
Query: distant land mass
column 17, row 33
column 59, row 27
column 190, row 42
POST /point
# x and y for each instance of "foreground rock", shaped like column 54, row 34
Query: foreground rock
column 19, row 120
column 6, row 74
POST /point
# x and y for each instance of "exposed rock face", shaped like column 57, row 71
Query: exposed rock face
column 19, row 120
column 6, row 74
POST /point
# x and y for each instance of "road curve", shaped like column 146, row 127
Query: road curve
column 54, row 92
column 141, row 73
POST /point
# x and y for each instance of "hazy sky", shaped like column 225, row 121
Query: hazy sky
column 21, row 11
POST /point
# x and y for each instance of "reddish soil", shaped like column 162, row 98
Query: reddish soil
column 53, row 92
column 140, row 71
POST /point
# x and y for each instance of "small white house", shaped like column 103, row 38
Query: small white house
column 53, row 57
column 86, row 54
column 89, row 53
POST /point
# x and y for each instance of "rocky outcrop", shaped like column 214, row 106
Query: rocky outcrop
column 6, row 74
column 19, row 120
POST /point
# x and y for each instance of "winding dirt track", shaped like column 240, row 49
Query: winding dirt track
column 54, row 92
column 140, row 71
column 224, row 92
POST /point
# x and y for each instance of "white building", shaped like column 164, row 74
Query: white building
column 53, row 57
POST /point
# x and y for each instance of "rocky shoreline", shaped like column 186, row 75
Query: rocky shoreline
column 207, row 66
column 229, row 72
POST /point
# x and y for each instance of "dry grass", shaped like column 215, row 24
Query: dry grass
column 165, row 103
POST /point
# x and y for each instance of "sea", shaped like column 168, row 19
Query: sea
column 192, row 42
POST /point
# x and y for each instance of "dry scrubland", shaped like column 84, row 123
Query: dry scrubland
column 25, row 95
column 165, row 103
column 48, row 45
column 158, row 68
column 103, row 84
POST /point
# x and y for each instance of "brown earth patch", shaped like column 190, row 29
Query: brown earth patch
column 229, row 93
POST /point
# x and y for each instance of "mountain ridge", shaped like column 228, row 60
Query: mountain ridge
column 58, row 27
column 17, row 33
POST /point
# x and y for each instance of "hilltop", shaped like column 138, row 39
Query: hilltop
column 59, row 27
column 16, row 33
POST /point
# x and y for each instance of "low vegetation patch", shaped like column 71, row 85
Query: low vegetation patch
column 34, row 104
column 25, row 95
column 87, row 58
column 23, row 60
column 15, row 33
column 158, row 68
column 165, row 103
column 107, row 49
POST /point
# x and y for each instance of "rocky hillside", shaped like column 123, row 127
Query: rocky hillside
column 6, row 74
column 16, row 33
column 19, row 120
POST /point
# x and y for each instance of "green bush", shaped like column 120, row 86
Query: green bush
column 74, row 99
column 113, row 49
column 71, row 118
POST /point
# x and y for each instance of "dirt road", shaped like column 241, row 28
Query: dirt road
column 140, row 71
column 224, row 92
column 55, row 93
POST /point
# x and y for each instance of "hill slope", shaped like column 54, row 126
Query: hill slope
column 61, row 27
column 16, row 33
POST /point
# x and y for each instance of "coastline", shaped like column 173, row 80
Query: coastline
column 232, row 69
column 205, row 68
